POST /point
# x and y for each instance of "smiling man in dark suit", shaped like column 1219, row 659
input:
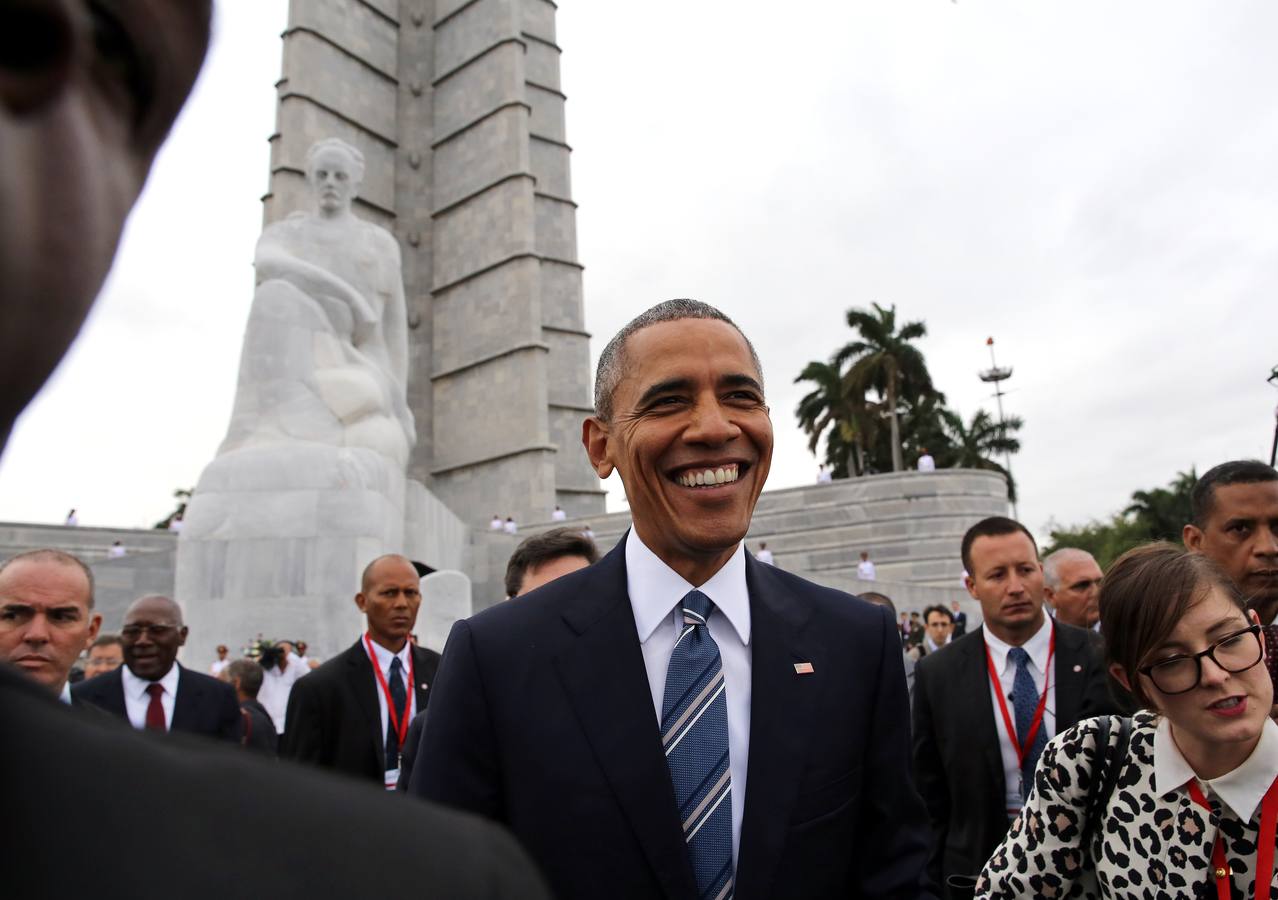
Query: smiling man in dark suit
column 679, row 720
column 352, row 713
column 151, row 689
column 972, row 768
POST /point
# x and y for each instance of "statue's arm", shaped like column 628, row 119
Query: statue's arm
column 275, row 261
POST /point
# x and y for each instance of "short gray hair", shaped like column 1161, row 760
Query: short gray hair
column 54, row 556
column 1052, row 564
column 350, row 150
column 612, row 362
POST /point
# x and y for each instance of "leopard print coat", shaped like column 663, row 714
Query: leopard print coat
column 1147, row 846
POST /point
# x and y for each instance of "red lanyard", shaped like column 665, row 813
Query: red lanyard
column 1022, row 748
column 400, row 725
column 1264, row 844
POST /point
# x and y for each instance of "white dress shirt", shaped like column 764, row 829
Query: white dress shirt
column 1241, row 790
column 136, row 699
column 865, row 570
column 65, row 696
column 764, row 556
column 384, row 658
column 558, row 515
column 1037, row 647
column 217, row 667
column 927, row 463
column 656, row 592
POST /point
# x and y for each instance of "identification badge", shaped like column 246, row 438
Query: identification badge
column 392, row 779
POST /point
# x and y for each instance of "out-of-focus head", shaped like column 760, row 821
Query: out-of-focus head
column 153, row 633
column 1004, row 574
column 1071, row 583
column 390, row 596
column 1235, row 522
column 88, row 92
column 46, row 614
column 245, row 676
column 335, row 170
column 222, row 651
column 544, row 557
column 1160, row 607
column 106, row 654
column 880, row 600
column 939, row 623
column 680, row 415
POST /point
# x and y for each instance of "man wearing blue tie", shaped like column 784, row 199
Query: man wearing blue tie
column 679, row 720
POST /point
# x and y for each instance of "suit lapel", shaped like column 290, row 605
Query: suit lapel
column 1069, row 676
column 974, row 681
column 364, row 686
column 421, row 680
column 185, row 702
column 112, row 694
column 604, row 677
column 782, row 705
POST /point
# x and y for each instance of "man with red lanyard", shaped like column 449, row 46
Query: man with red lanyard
column 352, row 713
column 986, row 703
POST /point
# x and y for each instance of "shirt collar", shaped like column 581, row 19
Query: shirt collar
column 385, row 656
column 656, row 589
column 136, row 687
column 1037, row 647
column 1241, row 790
column 65, row 696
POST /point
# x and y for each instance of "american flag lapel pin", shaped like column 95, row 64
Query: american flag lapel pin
column 803, row 668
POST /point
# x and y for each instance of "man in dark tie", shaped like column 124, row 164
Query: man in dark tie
column 152, row 690
column 679, row 720
column 352, row 713
column 985, row 707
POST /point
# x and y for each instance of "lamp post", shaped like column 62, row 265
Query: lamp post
column 1273, row 450
column 996, row 376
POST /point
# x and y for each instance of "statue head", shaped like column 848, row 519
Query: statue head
column 334, row 170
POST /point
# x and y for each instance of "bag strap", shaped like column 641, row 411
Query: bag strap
column 1109, row 760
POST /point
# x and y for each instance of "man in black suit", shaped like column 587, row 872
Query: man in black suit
column 352, row 713
column 152, row 690
column 613, row 717
column 977, row 738
column 960, row 619
column 46, row 616
column 258, row 731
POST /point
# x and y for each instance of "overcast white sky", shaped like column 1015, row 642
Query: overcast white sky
column 1091, row 183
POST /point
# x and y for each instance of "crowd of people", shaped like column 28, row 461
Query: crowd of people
column 674, row 719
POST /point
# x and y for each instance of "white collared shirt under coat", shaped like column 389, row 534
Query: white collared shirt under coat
column 137, row 700
column 1038, row 648
column 656, row 592
column 384, row 658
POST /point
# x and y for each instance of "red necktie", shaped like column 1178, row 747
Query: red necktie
column 155, row 709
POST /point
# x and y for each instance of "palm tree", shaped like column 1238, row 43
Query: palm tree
column 885, row 361
column 1162, row 512
column 974, row 445
column 833, row 406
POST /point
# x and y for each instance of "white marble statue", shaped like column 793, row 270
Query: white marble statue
column 325, row 355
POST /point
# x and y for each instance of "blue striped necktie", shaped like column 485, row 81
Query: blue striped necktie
column 694, row 729
column 1025, row 698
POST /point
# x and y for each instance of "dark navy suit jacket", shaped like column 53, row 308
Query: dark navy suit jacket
column 203, row 704
column 542, row 719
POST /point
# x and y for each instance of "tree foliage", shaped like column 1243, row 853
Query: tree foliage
column 1158, row 514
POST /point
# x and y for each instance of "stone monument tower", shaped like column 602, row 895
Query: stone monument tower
column 458, row 110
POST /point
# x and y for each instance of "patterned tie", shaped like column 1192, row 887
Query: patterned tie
column 1025, row 699
column 399, row 696
column 694, row 729
column 155, row 709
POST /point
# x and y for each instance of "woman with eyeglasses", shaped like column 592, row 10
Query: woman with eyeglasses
column 1194, row 801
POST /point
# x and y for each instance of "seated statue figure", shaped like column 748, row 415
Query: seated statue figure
column 325, row 357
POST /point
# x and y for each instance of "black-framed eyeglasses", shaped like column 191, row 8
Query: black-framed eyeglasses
column 159, row 632
column 1236, row 652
